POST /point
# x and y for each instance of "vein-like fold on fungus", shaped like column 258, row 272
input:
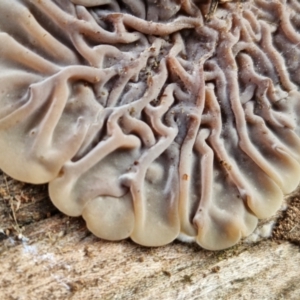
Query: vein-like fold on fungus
column 149, row 120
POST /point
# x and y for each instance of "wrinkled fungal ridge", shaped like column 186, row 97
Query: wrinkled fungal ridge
column 149, row 120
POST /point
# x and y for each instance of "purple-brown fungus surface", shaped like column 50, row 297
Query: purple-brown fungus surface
column 154, row 120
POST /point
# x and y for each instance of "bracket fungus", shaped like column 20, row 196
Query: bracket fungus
column 149, row 120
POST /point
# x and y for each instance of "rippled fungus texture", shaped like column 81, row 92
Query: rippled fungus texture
column 150, row 120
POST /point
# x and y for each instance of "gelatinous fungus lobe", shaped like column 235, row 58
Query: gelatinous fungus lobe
column 149, row 120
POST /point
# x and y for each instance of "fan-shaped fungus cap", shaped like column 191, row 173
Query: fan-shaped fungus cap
column 150, row 121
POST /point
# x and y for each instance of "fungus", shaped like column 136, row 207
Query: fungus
column 147, row 119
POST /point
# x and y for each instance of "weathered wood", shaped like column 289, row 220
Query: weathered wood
column 45, row 255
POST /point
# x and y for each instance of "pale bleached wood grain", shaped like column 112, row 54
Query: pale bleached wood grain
column 80, row 266
column 55, row 257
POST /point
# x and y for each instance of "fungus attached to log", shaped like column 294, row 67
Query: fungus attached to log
column 149, row 120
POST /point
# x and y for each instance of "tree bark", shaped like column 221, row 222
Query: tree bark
column 46, row 255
